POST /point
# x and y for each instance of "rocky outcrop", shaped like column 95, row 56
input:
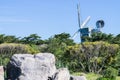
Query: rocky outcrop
column 37, row 67
column 1, row 73
column 62, row 74
column 31, row 67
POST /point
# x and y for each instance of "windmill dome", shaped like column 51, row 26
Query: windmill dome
column 100, row 24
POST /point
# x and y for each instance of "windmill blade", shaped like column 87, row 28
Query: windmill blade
column 78, row 9
column 85, row 22
column 75, row 34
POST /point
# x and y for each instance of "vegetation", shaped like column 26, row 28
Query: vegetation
column 92, row 76
column 109, row 74
column 99, row 54
column 91, row 56
column 89, row 76
column 8, row 49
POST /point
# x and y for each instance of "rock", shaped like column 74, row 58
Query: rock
column 62, row 74
column 36, row 67
column 78, row 78
column 1, row 73
column 31, row 67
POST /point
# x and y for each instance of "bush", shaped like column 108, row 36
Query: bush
column 32, row 49
column 8, row 49
column 102, row 78
column 109, row 74
column 91, row 56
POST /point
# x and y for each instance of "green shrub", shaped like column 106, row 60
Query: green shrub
column 8, row 49
column 109, row 74
column 32, row 49
column 102, row 78
column 91, row 56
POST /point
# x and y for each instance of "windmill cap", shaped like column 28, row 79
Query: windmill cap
column 100, row 24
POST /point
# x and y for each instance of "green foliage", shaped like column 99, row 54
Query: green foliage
column 109, row 74
column 91, row 56
column 43, row 48
column 8, row 39
column 99, row 36
column 102, row 78
column 60, row 64
column 89, row 76
column 32, row 39
column 117, row 64
column 64, row 38
column 93, row 76
column 116, row 39
column 58, row 49
column 58, row 46
column 8, row 49
column 32, row 49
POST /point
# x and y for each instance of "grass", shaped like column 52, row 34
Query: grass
column 118, row 78
column 90, row 76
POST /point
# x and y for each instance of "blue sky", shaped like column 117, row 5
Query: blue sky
column 49, row 17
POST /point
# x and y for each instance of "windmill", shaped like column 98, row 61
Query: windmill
column 84, row 31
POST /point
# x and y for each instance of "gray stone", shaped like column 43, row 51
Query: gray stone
column 1, row 73
column 31, row 67
column 78, row 78
column 62, row 74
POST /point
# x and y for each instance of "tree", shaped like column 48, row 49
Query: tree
column 64, row 38
column 59, row 42
column 100, row 37
column 57, row 45
column 32, row 39
column 116, row 39
column 11, row 39
column 2, row 38
column 8, row 39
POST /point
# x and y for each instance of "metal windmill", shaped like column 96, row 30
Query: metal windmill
column 84, row 31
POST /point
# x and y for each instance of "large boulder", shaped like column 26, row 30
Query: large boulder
column 62, row 74
column 31, row 67
column 1, row 73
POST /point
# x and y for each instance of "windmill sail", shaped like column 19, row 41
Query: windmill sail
column 78, row 15
column 75, row 34
column 85, row 22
